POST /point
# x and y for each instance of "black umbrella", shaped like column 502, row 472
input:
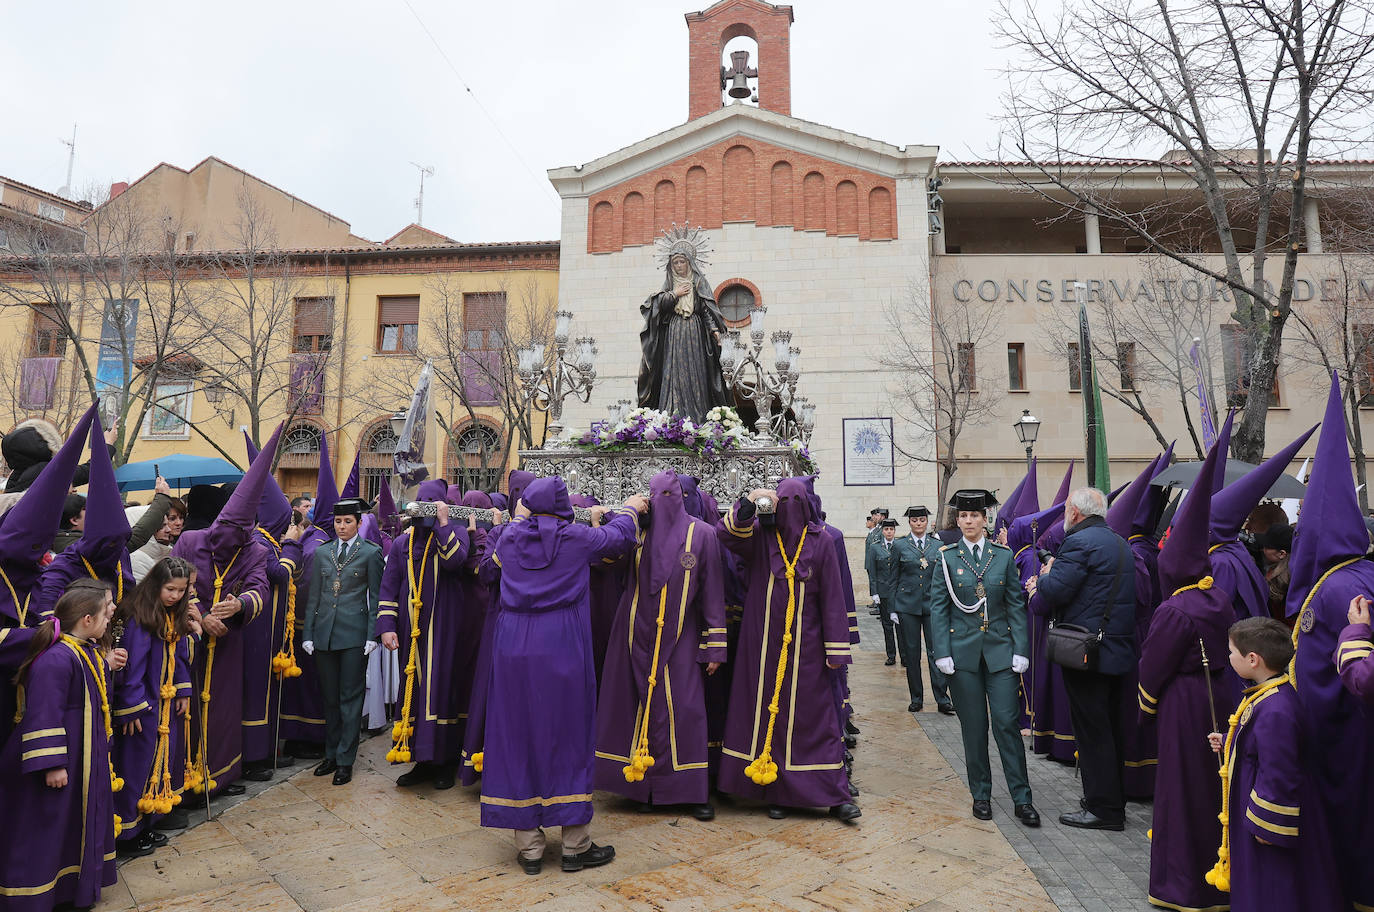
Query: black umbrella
column 1183, row 474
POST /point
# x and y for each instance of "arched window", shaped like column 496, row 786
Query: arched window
column 302, row 440
column 379, row 443
column 736, row 298
column 475, row 458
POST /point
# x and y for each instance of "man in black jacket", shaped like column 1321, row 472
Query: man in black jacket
column 1091, row 584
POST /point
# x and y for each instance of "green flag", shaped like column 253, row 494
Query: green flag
column 1094, row 427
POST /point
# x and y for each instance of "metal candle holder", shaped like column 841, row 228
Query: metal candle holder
column 773, row 392
column 571, row 373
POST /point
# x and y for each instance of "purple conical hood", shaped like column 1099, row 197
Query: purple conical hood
column 1122, row 512
column 1224, row 444
column 1007, row 511
column 1332, row 528
column 274, row 512
column 1232, row 505
column 387, row 514
column 1148, row 510
column 1183, row 559
column 234, row 526
column 1023, row 500
column 106, row 533
column 499, row 501
column 350, row 488
column 1066, row 485
column 516, row 482
column 27, row 529
column 1053, row 536
column 1030, row 527
column 326, row 490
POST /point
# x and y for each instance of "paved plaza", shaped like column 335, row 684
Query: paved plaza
column 301, row 843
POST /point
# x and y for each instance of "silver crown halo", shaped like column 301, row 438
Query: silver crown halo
column 686, row 240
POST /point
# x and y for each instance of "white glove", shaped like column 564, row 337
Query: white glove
column 308, row 646
column 877, row 599
column 893, row 618
column 946, row 665
column 1019, row 663
column 368, row 647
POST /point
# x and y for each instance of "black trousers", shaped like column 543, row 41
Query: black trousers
column 889, row 637
column 1095, row 709
column 909, row 634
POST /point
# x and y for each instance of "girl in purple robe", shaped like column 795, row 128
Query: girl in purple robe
column 791, row 757
column 539, row 740
column 55, row 770
column 651, row 715
column 152, row 695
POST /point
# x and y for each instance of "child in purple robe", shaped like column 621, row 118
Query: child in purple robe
column 55, row 770
column 152, row 695
column 1273, row 849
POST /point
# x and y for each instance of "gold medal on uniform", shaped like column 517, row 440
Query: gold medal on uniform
column 336, row 585
column 980, row 591
column 925, row 564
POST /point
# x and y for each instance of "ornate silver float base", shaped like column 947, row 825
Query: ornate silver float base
column 612, row 477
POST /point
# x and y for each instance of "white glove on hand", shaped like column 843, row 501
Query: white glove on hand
column 369, row 647
column 1019, row 663
column 893, row 618
column 946, row 665
column 308, row 646
column 877, row 599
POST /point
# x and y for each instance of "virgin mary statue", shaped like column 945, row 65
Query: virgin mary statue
column 679, row 368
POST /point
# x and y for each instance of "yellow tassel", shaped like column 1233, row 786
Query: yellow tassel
column 477, row 760
column 763, row 771
column 404, row 728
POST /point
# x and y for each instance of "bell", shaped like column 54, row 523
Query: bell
column 739, row 86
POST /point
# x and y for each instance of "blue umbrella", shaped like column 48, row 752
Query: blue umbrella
column 180, row 470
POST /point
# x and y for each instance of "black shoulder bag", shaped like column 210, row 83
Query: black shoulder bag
column 1072, row 646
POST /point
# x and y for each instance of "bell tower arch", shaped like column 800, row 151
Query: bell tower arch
column 711, row 29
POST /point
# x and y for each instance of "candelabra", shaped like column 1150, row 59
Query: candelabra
column 781, row 411
column 572, row 373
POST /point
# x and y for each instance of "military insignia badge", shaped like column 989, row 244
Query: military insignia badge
column 925, row 564
column 688, row 560
column 1307, row 621
column 958, row 571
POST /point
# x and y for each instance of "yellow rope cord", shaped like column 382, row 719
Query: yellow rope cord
column 641, row 759
column 763, row 770
column 1220, row 874
column 119, row 579
column 97, row 670
column 158, row 797
column 1203, row 584
column 405, row 726
column 205, row 783
column 20, row 609
column 284, row 662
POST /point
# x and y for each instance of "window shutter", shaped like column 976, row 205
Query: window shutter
column 314, row 316
column 398, row 311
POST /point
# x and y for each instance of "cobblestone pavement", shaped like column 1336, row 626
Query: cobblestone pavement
column 1081, row 870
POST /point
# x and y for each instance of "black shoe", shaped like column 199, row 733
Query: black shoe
column 232, row 790
column 159, row 839
column 851, row 741
column 285, row 760
column 982, row 809
column 305, row 750
column 1087, row 820
column 853, row 790
column 420, row 772
column 444, row 778
column 946, row 709
column 326, row 767
column 178, row 819
column 850, row 728
column 776, row 812
column 1027, row 814
column 890, row 661
column 876, row 612
column 135, row 848
column 914, row 706
column 846, row 812
column 703, row 812
column 848, row 757
column 594, row 857
column 343, row 775
column 258, row 775
column 530, row 865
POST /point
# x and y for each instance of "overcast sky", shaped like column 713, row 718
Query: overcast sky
column 332, row 101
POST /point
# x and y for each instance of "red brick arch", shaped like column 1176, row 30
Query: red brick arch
column 753, row 289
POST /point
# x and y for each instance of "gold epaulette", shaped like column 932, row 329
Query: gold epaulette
column 948, row 547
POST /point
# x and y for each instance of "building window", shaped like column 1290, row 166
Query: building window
column 398, row 324
column 1237, row 370
column 375, row 466
column 46, row 338
column 1075, row 369
column 968, row 374
column 475, row 458
column 1125, row 362
column 484, row 330
column 302, row 440
column 314, row 326
column 169, row 418
column 1016, row 365
column 735, row 303
column 1362, row 334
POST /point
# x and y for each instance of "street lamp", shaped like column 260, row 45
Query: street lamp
column 398, row 422
column 1027, row 428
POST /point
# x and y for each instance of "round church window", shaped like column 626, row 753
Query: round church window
column 735, row 303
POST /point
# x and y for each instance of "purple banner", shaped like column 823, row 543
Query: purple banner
column 307, row 383
column 409, row 458
column 481, row 376
column 38, row 383
column 1204, row 402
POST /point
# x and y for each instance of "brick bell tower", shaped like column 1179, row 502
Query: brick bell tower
column 711, row 29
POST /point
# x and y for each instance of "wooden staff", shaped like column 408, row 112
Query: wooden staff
column 1211, row 702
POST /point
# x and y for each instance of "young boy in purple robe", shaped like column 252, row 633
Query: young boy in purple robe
column 791, row 757
column 1181, row 695
column 1274, row 852
column 651, row 713
column 232, row 589
column 55, row 772
column 422, row 615
column 1328, row 570
column 539, row 741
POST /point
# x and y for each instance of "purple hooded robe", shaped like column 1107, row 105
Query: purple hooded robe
column 1052, row 728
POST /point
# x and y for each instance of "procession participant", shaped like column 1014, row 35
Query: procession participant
column 474, row 599
column 421, row 615
column 917, row 555
column 1023, row 499
column 840, row 680
column 1327, row 571
column 101, row 552
column 151, row 697
column 607, row 586
column 268, row 655
column 1182, row 688
column 1052, row 733
column 232, row 589
column 788, row 752
column 538, row 755
column 875, row 534
column 1353, row 651
column 1021, row 536
column 718, row 685
column 56, row 780
column 881, row 611
column 978, row 621
column 881, row 562
column 340, row 632
column 1233, row 567
column 1276, row 543
column 651, row 713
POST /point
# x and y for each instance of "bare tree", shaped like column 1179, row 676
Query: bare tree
column 930, row 362
column 1244, row 91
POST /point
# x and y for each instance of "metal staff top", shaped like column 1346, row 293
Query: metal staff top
column 419, row 508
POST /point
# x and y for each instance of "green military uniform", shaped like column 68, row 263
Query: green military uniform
column 882, row 578
column 340, row 619
column 982, row 643
column 916, row 563
column 873, row 550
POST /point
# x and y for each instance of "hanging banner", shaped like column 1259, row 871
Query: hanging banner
column 118, row 333
column 409, row 458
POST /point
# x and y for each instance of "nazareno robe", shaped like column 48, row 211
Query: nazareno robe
column 137, row 697
column 472, row 601
column 302, row 705
column 540, row 727
column 438, row 556
column 66, row 851
column 1173, row 693
column 1051, row 723
column 263, row 640
column 692, row 635
column 67, row 567
column 489, row 575
column 1271, row 798
column 1140, row 748
column 1355, row 661
column 807, row 745
column 1235, row 572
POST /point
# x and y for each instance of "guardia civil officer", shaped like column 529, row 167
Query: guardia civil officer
column 917, row 555
column 978, row 616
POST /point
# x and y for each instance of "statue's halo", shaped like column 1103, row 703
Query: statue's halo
column 684, row 239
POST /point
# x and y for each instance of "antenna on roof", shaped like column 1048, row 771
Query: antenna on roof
column 65, row 190
column 425, row 171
